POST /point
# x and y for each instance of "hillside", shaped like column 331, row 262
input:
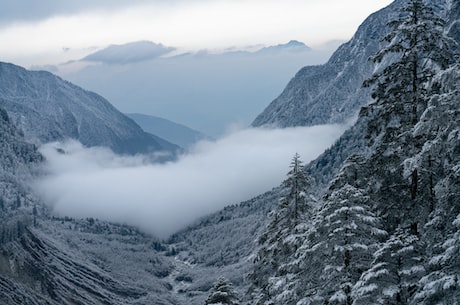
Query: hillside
column 388, row 225
column 332, row 92
column 386, row 230
column 47, row 108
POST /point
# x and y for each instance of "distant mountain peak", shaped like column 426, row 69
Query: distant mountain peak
column 292, row 45
column 129, row 53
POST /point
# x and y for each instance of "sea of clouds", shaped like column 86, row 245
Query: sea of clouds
column 163, row 198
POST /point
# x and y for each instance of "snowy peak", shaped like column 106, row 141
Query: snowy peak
column 291, row 46
column 129, row 53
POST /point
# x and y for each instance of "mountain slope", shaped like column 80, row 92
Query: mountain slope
column 175, row 133
column 47, row 108
column 388, row 226
column 331, row 93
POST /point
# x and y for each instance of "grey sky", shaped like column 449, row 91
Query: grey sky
column 34, row 10
column 52, row 31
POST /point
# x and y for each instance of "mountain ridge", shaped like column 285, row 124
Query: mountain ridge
column 47, row 108
column 330, row 93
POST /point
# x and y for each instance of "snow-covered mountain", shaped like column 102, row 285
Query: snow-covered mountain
column 178, row 134
column 388, row 226
column 331, row 93
column 47, row 108
column 291, row 46
column 387, row 229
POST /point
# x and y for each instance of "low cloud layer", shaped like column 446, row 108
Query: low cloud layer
column 163, row 198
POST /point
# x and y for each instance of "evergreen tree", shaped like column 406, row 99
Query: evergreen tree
column 337, row 249
column 421, row 47
column 351, row 232
column 223, row 294
column 393, row 277
column 442, row 284
column 294, row 200
column 283, row 234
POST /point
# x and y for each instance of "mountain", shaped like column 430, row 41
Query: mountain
column 50, row 260
column 175, row 133
column 388, row 224
column 47, row 108
column 291, row 46
column 331, row 93
column 387, row 229
column 129, row 53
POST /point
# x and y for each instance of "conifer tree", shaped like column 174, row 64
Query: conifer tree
column 442, row 284
column 222, row 294
column 420, row 46
column 337, row 249
column 393, row 277
column 349, row 233
column 295, row 189
column 282, row 235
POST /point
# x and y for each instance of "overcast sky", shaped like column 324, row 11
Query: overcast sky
column 49, row 31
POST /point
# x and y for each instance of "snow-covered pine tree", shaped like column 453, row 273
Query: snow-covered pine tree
column 336, row 246
column 223, row 294
column 393, row 277
column 421, row 48
column 348, row 235
column 282, row 236
column 442, row 284
column 294, row 195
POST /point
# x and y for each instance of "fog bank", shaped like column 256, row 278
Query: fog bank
column 163, row 198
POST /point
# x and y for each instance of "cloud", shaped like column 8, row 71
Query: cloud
column 37, row 30
column 163, row 198
column 32, row 10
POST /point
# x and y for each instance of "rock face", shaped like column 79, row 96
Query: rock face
column 47, row 108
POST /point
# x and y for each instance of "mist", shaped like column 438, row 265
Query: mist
column 164, row 198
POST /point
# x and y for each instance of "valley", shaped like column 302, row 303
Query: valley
column 367, row 212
